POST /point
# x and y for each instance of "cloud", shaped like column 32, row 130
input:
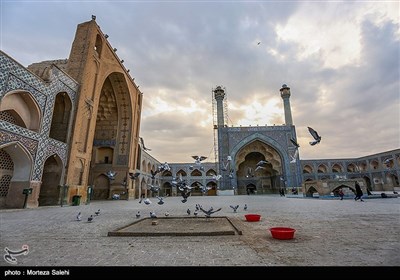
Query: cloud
column 340, row 59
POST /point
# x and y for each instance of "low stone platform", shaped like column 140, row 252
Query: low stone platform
column 179, row 226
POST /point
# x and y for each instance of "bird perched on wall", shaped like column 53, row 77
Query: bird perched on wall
column 315, row 135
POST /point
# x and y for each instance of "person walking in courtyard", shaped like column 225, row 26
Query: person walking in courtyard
column 359, row 192
column 341, row 194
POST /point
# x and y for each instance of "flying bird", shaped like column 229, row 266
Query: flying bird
column 295, row 143
column 111, row 174
column 199, row 159
column 209, row 211
column 315, row 135
column 153, row 174
column 134, row 175
column 234, row 208
column 387, row 161
column 258, row 43
column 217, row 177
column 153, row 188
column 260, row 165
column 294, row 157
column 143, row 146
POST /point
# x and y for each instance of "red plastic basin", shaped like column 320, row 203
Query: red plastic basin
column 282, row 232
column 252, row 217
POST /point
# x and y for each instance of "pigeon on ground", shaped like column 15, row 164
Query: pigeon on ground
column 153, row 215
column 90, row 219
column 188, row 211
column 160, row 200
column 79, row 217
column 315, row 135
column 147, row 201
column 97, row 212
column 245, row 207
column 234, row 208
column 195, row 213
column 138, row 214
column 166, row 214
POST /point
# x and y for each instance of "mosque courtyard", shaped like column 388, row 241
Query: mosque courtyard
column 329, row 232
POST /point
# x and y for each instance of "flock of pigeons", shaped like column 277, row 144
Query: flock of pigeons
column 90, row 218
column 198, row 208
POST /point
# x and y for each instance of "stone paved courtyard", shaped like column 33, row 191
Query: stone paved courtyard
column 328, row 233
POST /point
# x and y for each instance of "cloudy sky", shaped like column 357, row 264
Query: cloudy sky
column 340, row 59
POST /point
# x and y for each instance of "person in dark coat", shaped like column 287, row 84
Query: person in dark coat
column 359, row 192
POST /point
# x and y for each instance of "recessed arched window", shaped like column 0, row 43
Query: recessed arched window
column 98, row 45
column 307, row 169
column 20, row 108
column 337, row 168
column 61, row 115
